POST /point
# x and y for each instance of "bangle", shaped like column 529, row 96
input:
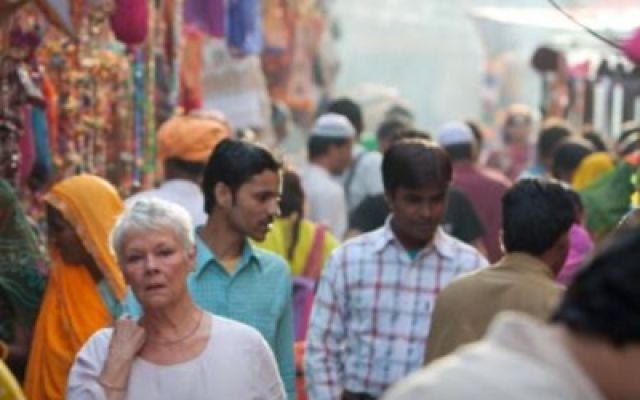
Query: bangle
column 4, row 350
column 109, row 386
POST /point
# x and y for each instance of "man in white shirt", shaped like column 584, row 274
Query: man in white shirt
column 184, row 145
column 329, row 147
column 363, row 177
column 590, row 351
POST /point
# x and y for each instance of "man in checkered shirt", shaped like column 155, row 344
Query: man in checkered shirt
column 373, row 307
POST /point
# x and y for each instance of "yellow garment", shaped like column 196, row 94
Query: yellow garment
column 591, row 168
column 190, row 138
column 9, row 388
column 72, row 308
column 280, row 236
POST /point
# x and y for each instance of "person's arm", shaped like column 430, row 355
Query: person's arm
column 101, row 369
column 265, row 374
column 324, row 364
column 284, row 343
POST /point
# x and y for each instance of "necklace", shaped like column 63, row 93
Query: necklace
column 171, row 342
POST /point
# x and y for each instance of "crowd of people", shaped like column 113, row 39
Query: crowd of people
column 440, row 265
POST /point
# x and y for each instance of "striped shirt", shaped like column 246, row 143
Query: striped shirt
column 372, row 311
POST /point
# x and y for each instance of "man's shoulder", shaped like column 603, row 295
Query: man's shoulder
column 456, row 246
column 475, row 371
column 270, row 261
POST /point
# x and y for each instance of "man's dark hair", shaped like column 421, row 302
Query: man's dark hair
column 234, row 162
column 550, row 137
column 596, row 140
column 604, row 299
column 320, row 145
column 568, row 156
column 413, row 163
column 410, row 134
column 476, row 129
column 535, row 214
column 460, row 151
column 389, row 129
column 191, row 169
column 350, row 110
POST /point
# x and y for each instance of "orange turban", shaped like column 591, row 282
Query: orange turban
column 191, row 137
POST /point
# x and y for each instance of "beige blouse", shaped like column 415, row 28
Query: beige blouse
column 236, row 364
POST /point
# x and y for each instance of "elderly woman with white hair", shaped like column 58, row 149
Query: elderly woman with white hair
column 177, row 350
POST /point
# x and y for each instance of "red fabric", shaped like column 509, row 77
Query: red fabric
column 299, row 361
column 484, row 188
column 130, row 21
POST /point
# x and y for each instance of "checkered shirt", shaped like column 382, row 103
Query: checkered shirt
column 372, row 312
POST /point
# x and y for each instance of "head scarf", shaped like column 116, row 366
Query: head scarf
column 73, row 309
column 191, row 137
column 591, row 168
column 22, row 264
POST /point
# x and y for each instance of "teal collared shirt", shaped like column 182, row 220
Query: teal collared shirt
column 258, row 293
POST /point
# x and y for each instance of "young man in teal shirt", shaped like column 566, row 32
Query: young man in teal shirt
column 232, row 278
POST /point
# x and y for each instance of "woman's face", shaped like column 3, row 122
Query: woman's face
column 63, row 237
column 156, row 265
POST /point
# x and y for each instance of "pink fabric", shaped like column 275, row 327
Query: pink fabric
column 631, row 47
column 581, row 246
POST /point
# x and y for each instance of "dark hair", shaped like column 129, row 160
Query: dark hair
column 292, row 201
column 576, row 200
column 604, row 299
column 413, row 163
column 628, row 129
column 460, row 151
column 234, row 162
column 535, row 214
column 569, row 155
column 190, row 168
column 389, row 128
column 596, row 140
column 476, row 129
column 319, row 145
column 349, row 109
column 550, row 137
column 410, row 134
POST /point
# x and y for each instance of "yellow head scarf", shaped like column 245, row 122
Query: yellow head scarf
column 591, row 168
column 72, row 309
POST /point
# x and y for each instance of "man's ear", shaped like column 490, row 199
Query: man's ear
column 224, row 197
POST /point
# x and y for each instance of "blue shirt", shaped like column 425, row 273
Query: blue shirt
column 258, row 293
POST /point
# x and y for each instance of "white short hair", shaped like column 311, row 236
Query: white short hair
column 152, row 214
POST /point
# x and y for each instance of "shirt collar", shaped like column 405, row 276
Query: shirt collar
column 205, row 256
column 442, row 243
column 526, row 263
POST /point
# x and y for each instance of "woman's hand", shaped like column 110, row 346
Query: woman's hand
column 126, row 342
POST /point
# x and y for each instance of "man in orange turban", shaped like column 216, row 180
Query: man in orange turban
column 184, row 145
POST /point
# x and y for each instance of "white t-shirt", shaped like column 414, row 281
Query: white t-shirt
column 181, row 192
column 327, row 203
column 364, row 175
column 236, row 364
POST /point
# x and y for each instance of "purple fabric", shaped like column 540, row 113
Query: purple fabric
column 27, row 147
column 581, row 245
column 244, row 26
column 205, row 15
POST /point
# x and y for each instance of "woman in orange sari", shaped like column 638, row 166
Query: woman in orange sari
column 85, row 283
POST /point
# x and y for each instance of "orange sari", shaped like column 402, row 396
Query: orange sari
column 72, row 309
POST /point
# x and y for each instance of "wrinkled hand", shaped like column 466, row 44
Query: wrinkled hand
column 127, row 340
